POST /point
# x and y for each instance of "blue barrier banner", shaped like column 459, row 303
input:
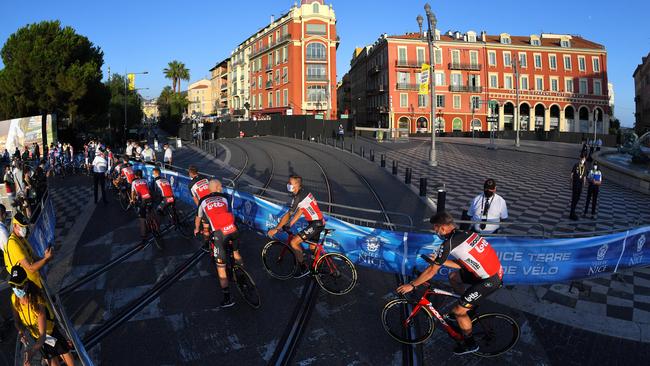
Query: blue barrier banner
column 42, row 235
column 525, row 260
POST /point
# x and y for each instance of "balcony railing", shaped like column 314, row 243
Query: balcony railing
column 317, row 105
column 316, row 58
column 283, row 38
column 316, row 77
column 407, row 86
column 462, row 66
column 268, row 85
column 465, row 89
column 406, row 63
column 269, row 67
column 224, row 86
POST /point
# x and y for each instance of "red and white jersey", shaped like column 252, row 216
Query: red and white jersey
column 306, row 203
column 199, row 188
column 472, row 252
column 214, row 208
column 165, row 189
column 141, row 188
column 127, row 172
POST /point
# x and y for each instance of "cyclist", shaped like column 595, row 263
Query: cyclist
column 141, row 197
column 162, row 191
column 478, row 266
column 304, row 204
column 215, row 209
column 199, row 189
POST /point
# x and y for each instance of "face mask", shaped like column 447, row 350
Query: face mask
column 290, row 187
column 488, row 193
column 19, row 292
column 595, row 167
column 22, row 231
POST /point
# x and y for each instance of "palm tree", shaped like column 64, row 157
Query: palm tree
column 171, row 72
column 183, row 74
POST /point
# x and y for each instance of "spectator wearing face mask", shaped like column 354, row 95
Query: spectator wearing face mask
column 488, row 206
column 578, row 175
column 594, row 179
column 19, row 253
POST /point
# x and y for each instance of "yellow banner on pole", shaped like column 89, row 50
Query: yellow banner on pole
column 131, row 78
column 424, row 80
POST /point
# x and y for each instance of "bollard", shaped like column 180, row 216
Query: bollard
column 442, row 196
column 302, row 135
column 383, row 160
column 342, row 145
column 407, row 175
column 216, row 151
column 372, row 155
column 362, row 152
column 352, row 148
column 423, row 187
column 294, row 136
column 319, row 139
column 394, row 167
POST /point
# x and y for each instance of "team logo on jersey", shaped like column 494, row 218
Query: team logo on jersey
column 602, row 251
column 481, row 245
column 473, row 296
column 640, row 243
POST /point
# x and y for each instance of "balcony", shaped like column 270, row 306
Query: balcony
column 315, row 58
column 224, row 86
column 317, row 105
column 269, row 67
column 317, row 77
column 374, row 69
column 377, row 89
column 268, row 85
column 462, row 66
column 282, row 39
column 465, row 89
column 406, row 63
column 407, row 86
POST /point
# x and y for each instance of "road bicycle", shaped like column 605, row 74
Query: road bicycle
column 238, row 274
column 152, row 224
column 178, row 220
column 334, row 272
column 123, row 196
column 413, row 322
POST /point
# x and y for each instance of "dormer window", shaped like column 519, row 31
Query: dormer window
column 535, row 42
column 471, row 37
column 565, row 43
column 505, row 39
column 315, row 8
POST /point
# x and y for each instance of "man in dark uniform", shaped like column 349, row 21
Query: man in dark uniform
column 578, row 174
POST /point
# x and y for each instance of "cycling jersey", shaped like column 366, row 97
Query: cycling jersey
column 141, row 188
column 473, row 253
column 164, row 188
column 214, row 208
column 305, row 202
column 199, row 188
column 127, row 172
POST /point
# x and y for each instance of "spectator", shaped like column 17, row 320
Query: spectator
column 10, row 185
column 32, row 313
column 595, row 179
column 19, row 252
column 40, row 180
column 25, row 156
column 488, row 206
column 5, row 156
column 599, row 144
column 37, row 152
column 17, row 153
column 167, row 156
column 578, row 174
column 341, row 133
column 138, row 151
column 99, row 174
column 17, row 173
column 148, row 155
column 129, row 149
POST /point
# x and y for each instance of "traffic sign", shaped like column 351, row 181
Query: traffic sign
column 493, row 119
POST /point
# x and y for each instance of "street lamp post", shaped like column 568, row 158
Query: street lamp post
column 431, row 25
column 126, row 93
column 517, row 117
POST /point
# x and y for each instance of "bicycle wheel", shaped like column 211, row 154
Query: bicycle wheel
column 335, row 273
column 155, row 231
column 419, row 327
column 494, row 333
column 183, row 226
column 246, row 286
column 124, row 200
column 279, row 260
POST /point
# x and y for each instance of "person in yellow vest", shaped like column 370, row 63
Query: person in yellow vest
column 33, row 314
column 18, row 252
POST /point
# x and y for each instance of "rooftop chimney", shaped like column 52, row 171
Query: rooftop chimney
column 272, row 19
column 483, row 36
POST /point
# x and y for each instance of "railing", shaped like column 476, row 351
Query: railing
column 407, row 86
column 269, row 67
column 283, row 38
column 465, row 88
column 317, row 105
column 316, row 58
column 316, row 77
column 406, row 63
column 268, row 85
column 463, row 66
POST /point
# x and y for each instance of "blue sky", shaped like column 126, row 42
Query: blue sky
column 145, row 35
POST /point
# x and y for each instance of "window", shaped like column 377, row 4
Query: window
column 422, row 100
column 285, row 75
column 403, row 100
column 401, row 55
column 471, row 37
column 552, row 62
column 568, row 85
column 270, row 99
column 315, row 8
column 440, row 101
column 316, row 51
column 456, row 101
column 420, row 55
column 259, row 80
column 535, row 42
column 455, row 57
column 285, row 53
column 598, row 88
column 403, row 77
column 505, row 40
column 456, row 79
column 277, row 57
column 316, row 72
column 277, row 98
column 539, row 83
column 285, row 29
column 476, row 102
column 538, row 61
column 522, row 60
column 254, row 101
column 565, row 43
column 567, row 62
column 277, row 76
column 492, row 58
column 285, row 97
column 554, row 85
column 507, row 60
column 582, row 86
column 317, row 29
column 595, row 63
column 507, row 81
column 494, row 83
column 316, row 93
column 440, row 78
column 582, row 64
column 473, row 57
column 438, row 56
column 523, row 83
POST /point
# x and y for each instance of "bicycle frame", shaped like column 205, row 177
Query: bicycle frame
column 319, row 251
column 425, row 303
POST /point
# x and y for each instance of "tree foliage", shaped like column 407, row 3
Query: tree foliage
column 176, row 71
column 51, row 69
column 171, row 107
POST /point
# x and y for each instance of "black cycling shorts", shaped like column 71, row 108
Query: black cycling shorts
column 218, row 249
column 142, row 208
column 312, row 231
column 479, row 288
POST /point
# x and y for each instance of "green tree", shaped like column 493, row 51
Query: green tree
column 171, row 107
column 176, row 71
column 134, row 113
column 51, row 69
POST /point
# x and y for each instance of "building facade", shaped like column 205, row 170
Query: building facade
column 150, row 108
column 219, row 88
column 642, row 96
column 199, row 95
column 562, row 82
column 343, row 95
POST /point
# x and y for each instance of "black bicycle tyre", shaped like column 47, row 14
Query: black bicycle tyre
column 273, row 249
column 124, row 200
column 322, row 273
column 484, row 336
column 246, row 286
column 184, row 227
column 399, row 308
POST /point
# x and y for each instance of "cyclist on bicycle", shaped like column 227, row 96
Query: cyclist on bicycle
column 199, row 189
column 215, row 209
column 304, row 204
column 161, row 190
column 478, row 266
column 141, row 197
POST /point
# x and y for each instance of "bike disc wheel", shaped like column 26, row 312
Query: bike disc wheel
column 494, row 333
column 336, row 274
column 246, row 286
column 419, row 327
column 279, row 260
